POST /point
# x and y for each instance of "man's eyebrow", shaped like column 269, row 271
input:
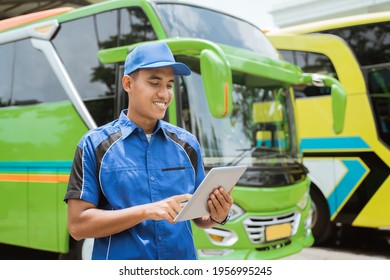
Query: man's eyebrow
column 155, row 77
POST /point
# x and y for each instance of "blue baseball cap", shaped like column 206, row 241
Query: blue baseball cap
column 154, row 55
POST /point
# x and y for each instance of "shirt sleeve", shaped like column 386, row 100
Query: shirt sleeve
column 83, row 180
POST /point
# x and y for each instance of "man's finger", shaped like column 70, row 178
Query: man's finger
column 226, row 195
column 182, row 197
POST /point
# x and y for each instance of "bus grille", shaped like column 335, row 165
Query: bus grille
column 255, row 226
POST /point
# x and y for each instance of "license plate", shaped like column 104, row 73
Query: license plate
column 275, row 232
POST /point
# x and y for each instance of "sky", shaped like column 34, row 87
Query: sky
column 254, row 11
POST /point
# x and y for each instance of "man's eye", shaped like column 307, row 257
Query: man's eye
column 153, row 84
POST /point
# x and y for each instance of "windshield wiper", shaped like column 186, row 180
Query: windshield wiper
column 270, row 152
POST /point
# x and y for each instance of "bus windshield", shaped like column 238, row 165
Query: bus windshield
column 196, row 22
column 259, row 132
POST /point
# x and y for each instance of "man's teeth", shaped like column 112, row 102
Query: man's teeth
column 160, row 104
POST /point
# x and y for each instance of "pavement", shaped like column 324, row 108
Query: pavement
column 314, row 253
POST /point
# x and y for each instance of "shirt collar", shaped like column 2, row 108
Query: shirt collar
column 128, row 127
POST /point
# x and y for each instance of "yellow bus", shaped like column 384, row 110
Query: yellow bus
column 349, row 171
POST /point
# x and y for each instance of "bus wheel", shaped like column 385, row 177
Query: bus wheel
column 322, row 227
column 79, row 250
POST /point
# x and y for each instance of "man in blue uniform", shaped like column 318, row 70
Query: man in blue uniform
column 130, row 177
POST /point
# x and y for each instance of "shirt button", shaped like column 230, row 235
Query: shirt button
column 152, row 178
column 159, row 238
column 139, row 129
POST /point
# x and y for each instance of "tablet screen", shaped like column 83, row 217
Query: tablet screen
column 226, row 176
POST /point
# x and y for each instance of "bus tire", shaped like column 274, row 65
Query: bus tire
column 322, row 227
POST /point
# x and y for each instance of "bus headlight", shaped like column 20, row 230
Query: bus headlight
column 309, row 220
column 235, row 212
column 302, row 203
column 225, row 237
column 221, row 237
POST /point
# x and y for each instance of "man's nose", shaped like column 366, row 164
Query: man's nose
column 163, row 92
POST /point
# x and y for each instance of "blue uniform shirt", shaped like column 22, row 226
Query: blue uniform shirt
column 115, row 167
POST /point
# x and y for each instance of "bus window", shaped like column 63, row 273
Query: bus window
column 135, row 27
column 38, row 86
column 83, row 66
column 383, row 117
column 213, row 26
column 6, row 58
column 379, row 80
column 310, row 63
column 369, row 42
column 96, row 82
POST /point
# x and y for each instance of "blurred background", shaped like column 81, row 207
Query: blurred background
column 266, row 14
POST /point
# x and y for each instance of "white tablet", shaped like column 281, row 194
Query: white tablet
column 226, row 176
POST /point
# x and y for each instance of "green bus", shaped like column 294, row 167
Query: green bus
column 59, row 77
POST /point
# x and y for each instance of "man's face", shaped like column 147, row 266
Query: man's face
column 150, row 93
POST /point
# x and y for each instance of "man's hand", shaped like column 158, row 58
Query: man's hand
column 85, row 220
column 219, row 203
column 168, row 208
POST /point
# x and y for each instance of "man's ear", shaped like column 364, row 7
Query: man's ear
column 126, row 83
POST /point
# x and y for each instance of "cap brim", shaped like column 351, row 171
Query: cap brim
column 179, row 69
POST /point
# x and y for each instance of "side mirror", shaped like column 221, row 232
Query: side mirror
column 217, row 83
column 339, row 103
column 338, row 94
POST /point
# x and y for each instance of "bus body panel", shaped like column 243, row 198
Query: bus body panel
column 34, row 170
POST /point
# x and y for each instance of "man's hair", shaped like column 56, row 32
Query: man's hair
column 134, row 74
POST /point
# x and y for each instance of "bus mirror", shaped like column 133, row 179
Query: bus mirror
column 339, row 102
column 217, row 83
column 338, row 94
